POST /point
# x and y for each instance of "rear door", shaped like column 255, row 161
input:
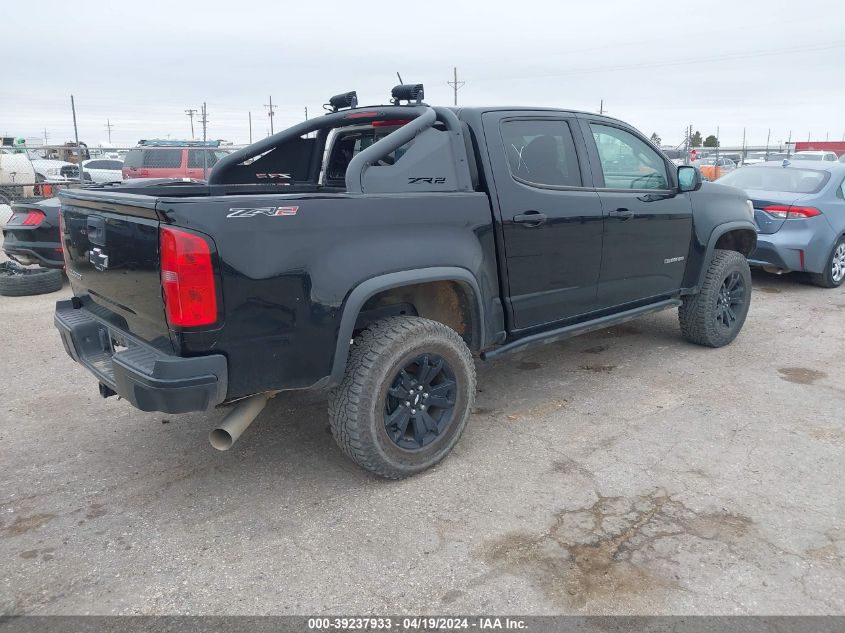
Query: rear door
column 647, row 224
column 551, row 218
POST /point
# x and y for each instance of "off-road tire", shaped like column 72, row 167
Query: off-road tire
column 357, row 406
column 17, row 281
column 825, row 279
column 698, row 313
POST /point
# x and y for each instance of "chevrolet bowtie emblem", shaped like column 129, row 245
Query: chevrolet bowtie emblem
column 99, row 259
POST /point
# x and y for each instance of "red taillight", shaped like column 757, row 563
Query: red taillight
column 789, row 212
column 32, row 218
column 187, row 277
column 62, row 240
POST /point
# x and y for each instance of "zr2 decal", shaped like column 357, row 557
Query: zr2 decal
column 269, row 211
column 273, row 176
column 430, row 180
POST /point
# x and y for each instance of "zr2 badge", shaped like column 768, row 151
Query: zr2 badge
column 270, row 211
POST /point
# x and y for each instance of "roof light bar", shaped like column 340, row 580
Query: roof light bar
column 345, row 100
column 408, row 92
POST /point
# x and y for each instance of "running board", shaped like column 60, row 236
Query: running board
column 569, row 331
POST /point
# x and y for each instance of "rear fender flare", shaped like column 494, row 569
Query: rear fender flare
column 369, row 288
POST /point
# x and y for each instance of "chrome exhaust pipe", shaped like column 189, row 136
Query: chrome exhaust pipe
column 224, row 436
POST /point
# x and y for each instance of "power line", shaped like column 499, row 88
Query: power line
column 700, row 60
column 191, row 112
column 270, row 107
column 456, row 85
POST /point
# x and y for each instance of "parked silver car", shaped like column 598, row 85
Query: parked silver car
column 799, row 209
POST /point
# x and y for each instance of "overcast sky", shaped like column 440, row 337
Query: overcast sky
column 754, row 64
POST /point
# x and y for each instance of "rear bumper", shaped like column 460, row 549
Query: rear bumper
column 42, row 256
column 796, row 247
column 148, row 378
column 33, row 245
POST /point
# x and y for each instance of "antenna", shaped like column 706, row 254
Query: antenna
column 400, row 77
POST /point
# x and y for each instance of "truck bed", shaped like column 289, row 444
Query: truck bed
column 282, row 279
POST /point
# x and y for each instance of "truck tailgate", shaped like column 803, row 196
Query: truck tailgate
column 111, row 246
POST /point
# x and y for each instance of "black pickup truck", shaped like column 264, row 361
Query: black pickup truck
column 372, row 251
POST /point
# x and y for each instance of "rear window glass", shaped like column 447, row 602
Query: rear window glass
column 163, row 158
column 777, row 179
column 196, row 161
column 349, row 143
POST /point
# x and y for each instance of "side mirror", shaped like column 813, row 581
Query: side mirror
column 689, row 178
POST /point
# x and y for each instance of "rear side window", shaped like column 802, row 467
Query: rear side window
column 627, row 161
column 541, row 152
column 163, row 158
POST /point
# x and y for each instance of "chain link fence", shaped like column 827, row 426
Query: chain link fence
column 34, row 172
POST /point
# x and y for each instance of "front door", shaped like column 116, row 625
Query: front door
column 551, row 218
column 647, row 224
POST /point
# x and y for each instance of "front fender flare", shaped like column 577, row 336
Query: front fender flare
column 718, row 232
column 369, row 288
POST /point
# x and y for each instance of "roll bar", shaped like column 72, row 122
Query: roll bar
column 423, row 117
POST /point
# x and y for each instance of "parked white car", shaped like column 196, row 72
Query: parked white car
column 103, row 169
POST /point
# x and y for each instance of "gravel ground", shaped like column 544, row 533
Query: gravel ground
column 625, row 471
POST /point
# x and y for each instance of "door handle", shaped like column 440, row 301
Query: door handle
column 530, row 218
column 622, row 214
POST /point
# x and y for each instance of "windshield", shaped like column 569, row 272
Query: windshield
column 808, row 156
column 777, row 179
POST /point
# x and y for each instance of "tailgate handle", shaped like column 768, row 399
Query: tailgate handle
column 96, row 230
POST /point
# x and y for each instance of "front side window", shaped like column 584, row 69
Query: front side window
column 627, row 161
column 541, row 152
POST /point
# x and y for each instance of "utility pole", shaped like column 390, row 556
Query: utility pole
column 743, row 145
column 270, row 107
column 191, row 112
column 45, row 136
column 306, row 118
column 76, row 136
column 456, row 85
column 250, row 128
column 204, row 151
column 109, row 127
column 789, row 142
